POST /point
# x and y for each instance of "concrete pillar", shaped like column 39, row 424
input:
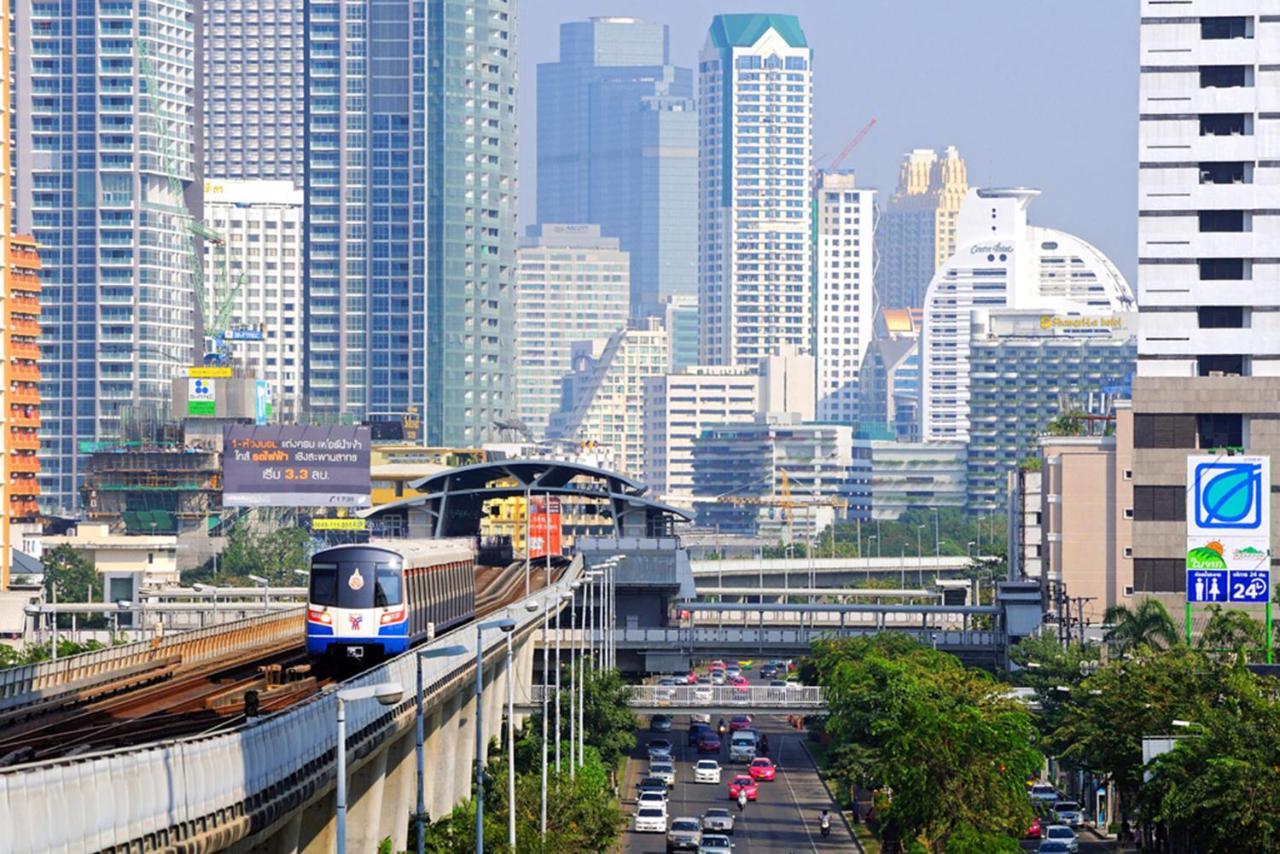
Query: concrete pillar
column 464, row 730
column 286, row 838
column 318, row 833
column 365, row 824
column 399, row 795
column 438, row 756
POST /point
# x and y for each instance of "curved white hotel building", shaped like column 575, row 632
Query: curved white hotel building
column 1001, row 262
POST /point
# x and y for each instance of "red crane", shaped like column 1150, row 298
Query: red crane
column 852, row 144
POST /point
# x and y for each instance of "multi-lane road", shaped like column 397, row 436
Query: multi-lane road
column 784, row 819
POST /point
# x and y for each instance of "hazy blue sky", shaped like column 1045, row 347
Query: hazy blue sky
column 1041, row 93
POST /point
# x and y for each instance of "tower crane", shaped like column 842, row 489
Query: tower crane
column 784, row 500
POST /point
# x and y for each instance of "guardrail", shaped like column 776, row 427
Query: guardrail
column 176, row 790
column 756, row 696
column 712, row 637
column 31, row 683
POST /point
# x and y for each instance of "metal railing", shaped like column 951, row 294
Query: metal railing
column 711, row 637
column 791, row 696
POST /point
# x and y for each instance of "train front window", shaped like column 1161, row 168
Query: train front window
column 324, row 584
column 389, row 590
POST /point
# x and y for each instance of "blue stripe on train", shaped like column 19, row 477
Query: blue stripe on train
column 389, row 645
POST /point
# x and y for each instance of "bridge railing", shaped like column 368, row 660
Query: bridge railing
column 709, row 637
column 791, row 696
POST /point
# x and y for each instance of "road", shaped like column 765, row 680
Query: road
column 1088, row 845
column 784, row 819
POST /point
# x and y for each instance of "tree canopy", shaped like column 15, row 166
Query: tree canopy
column 1148, row 624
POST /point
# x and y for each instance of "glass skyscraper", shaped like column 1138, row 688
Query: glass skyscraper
column 618, row 147
column 107, row 106
column 410, row 212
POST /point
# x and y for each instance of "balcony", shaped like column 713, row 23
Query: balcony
column 23, row 440
column 19, row 418
column 25, row 394
column 25, row 372
column 24, row 303
column 24, row 350
column 29, row 328
column 24, row 486
column 26, row 463
column 20, row 281
column 23, row 508
column 21, row 256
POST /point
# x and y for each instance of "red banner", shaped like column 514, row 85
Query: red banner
column 544, row 527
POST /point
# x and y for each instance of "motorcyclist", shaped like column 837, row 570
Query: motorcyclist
column 825, row 824
column 742, row 799
column 722, row 726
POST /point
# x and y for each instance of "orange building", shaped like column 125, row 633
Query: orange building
column 21, row 359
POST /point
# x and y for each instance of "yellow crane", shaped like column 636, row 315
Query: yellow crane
column 786, row 501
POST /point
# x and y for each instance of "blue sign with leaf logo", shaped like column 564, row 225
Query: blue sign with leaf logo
column 1229, row 495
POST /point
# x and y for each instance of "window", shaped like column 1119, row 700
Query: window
column 1232, row 221
column 1159, row 504
column 1221, row 431
column 1221, row 317
column 1128, row 551
column 1225, row 124
column 1159, row 575
column 1226, row 172
column 1221, row 364
column 1225, row 76
column 1164, row 431
column 1222, row 269
column 1127, row 474
column 1226, row 28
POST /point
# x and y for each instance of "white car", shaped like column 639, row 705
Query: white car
column 663, row 771
column 717, row 677
column 700, row 718
column 1062, row 833
column 1044, row 792
column 704, row 694
column 650, row 820
column 715, row 843
column 657, row 800
column 1068, row 813
column 717, row 820
column 706, row 771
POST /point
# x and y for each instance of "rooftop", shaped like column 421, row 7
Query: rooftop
column 745, row 30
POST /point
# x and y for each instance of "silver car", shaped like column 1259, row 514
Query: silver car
column 684, row 835
column 714, row 843
column 1068, row 813
column 717, row 820
column 663, row 771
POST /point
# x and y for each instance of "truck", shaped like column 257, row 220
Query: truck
column 742, row 746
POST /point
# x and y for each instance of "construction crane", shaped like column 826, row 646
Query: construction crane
column 851, row 145
column 215, row 317
column 784, row 500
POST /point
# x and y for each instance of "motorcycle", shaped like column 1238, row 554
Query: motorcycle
column 742, row 801
column 826, row 826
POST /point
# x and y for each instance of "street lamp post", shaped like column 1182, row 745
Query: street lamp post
column 507, row 625
column 937, row 540
column 546, row 674
column 564, row 596
column 573, row 679
column 528, row 511
column 386, row 693
column 919, row 555
column 213, row 592
column 582, row 691
column 439, row 652
column 266, row 588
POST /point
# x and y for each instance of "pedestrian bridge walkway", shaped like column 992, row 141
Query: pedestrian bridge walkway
column 683, row 699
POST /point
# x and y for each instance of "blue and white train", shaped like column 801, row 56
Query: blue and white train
column 377, row 599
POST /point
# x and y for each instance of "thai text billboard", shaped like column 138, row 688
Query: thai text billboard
column 292, row 466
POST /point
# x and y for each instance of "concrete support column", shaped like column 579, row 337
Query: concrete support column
column 364, row 804
column 399, row 795
column 287, row 839
column 439, row 770
column 318, row 833
column 464, row 735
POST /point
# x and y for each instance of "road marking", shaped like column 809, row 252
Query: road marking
column 804, row 822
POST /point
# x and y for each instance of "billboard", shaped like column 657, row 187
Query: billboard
column 1228, row 528
column 201, row 397
column 544, row 526
column 293, row 466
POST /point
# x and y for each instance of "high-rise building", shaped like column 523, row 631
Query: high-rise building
column 571, row 285
column 889, row 384
column 916, row 232
column 410, row 212
column 253, row 282
column 252, row 59
column 20, row 384
column 603, row 398
column 618, row 146
column 844, row 296
column 916, row 476
column 107, row 142
column 1209, row 323
column 1001, row 262
column 680, row 317
column 755, row 117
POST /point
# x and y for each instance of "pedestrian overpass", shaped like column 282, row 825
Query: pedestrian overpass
column 726, row 699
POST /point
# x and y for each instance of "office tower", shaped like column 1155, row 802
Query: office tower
column 19, row 438
column 571, row 285
column 1209, row 324
column 618, row 146
column 1027, row 368
column 107, row 142
column 844, row 296
column 916, row 476
column 1001, row 262
column 889, row 386
column 680, row 317
column 916, row 232
column 410, row 213
column 253, row 106
column 677, row 408
column 602, row 397
column 253, row 282
column 755, row 116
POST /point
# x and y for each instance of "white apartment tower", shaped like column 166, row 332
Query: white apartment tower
column 844, row 297
column 1001, row 262
column 1208, row 259
column 755, row 112
column 253, row 281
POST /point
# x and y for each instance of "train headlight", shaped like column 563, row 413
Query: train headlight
column 319, row 615
column 389, row 617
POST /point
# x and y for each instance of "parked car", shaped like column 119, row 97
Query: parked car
column 718, row 819
column 1044, row 792
column 685, row 835
column 715, row 843
column 1036, row 829
column 738, row 722
column 692, row 678
column 732, row 671
column 663, row 771
column 1062, row 833
column 740, row 681
column 650, row 820
column 743, row 783
column 660, row 723
column 706, row 771
column 762, row 768
column 717, row 665
column 1068, row 813
column 709, row 742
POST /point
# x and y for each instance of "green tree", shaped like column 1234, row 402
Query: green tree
column 1149, row 624
column 1049, row 667
column 272, row 555
column 77, row 581
column 1233, row 634
column 1067, row 424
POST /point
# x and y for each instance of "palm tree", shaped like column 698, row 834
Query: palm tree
column 1149, row 624
column 1232, row 634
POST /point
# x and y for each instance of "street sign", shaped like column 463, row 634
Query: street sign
column 1207, row 585
column 1249, row 585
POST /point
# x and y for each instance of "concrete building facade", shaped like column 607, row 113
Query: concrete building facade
column 618, row 146
column 572, row 284
column 889, row 382
column 916, row 233
column 680, row 317
column 253, row 282
column 1208, row 241
column 844, row 296
column 755, row 101
column 915, row 475
column 1001, row 262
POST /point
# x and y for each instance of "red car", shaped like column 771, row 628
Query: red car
column 743, row 783
column 1036, row 830
column 738, row 722
column 740, row 681
column 709, row 742
column 762, row 769
column 716, row 665
column 692, row 678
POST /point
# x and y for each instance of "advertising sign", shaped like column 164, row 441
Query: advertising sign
column 339, row 524
column 209, row 372
column 261, row 402
column 200, row 397
column 544, row 526
column 294, row 466
column 1228, row 528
